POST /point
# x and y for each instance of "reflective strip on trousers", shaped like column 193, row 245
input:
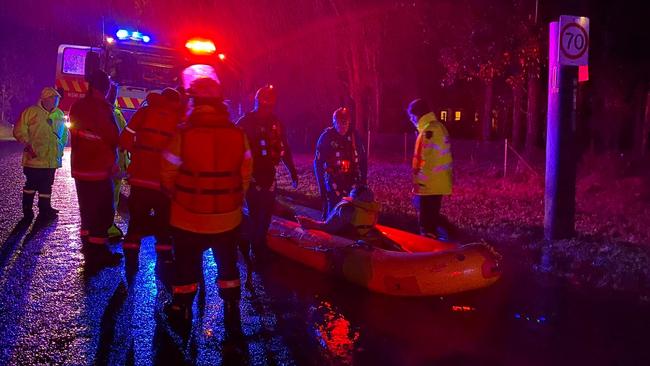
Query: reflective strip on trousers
column 185, row 289
column 229, row 283
column 97, row 240
column 41, row 195
column 163, row 247
column 131, row 245
column 29, row 191
column 84, row 232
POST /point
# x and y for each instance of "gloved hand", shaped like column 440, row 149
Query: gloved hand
column 30, row 150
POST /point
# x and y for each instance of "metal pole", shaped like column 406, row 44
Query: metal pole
column 559, row 197
column 368, row 149
column 505, row 158
column 405, row 146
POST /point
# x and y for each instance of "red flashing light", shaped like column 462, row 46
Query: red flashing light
column 222, row 56
column 199, row 46
column 110, row 40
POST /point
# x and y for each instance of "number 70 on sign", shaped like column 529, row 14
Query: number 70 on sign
column 573, row 40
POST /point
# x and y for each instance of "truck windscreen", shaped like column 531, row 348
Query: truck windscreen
column 144, row 69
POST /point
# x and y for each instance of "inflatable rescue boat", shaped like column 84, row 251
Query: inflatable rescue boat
column 425, row 267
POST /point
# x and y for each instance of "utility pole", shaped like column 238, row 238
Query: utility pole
column 568, row 46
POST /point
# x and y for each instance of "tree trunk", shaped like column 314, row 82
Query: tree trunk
column 645, row 128
column 486, row 119
column 517, row 117
column 532, row 125
column 641, row 122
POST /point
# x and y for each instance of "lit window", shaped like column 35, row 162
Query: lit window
column 443, row 115
column 457, row 116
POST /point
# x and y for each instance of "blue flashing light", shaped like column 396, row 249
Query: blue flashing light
column 122, row 34
column 136, row 35
column 146, row 39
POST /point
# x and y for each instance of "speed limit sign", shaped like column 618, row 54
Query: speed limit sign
column 573, row 40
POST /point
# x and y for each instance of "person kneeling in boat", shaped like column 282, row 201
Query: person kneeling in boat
column 354, row 217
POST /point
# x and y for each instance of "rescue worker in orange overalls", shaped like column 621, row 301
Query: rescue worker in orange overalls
column 206, row 171
column 269, row 146
column 149, row 131
column 94, row 138
column 41, row 129
column 432, row 164
column 340, row 161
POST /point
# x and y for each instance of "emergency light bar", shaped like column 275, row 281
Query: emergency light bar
column 199, row 46
column 124, row 35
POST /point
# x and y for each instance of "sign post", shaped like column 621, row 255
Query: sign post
column 568, row 49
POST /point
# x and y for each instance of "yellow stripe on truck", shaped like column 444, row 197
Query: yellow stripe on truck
column 128, row 103
column 76, row 86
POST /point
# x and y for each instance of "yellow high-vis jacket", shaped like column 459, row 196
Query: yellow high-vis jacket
column 45, row 132
column 432, row 162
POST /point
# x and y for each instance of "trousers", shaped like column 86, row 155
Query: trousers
column 141, row 202
column 429, row 212
column 95, row 207
column 188, row 259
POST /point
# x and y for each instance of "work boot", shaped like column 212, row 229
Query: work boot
column 28, row 212
column 442, row 233
column 45, row 210
column 99, row 254
column 178, row 314
column 232, row 319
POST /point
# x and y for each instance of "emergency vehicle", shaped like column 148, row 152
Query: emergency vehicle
column 135, row 63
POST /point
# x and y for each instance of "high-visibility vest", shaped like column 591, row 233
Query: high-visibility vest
column 209, row 179
column 432, row 159
column 364, row 217
column 44, row 132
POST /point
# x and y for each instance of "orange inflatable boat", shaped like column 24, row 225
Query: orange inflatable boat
column 426, row 267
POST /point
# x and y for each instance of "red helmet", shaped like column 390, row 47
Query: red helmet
column 265, row 96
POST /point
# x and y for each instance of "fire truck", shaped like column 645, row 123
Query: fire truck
column 135, row 63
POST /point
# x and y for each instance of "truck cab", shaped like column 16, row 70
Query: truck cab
column 136, row 66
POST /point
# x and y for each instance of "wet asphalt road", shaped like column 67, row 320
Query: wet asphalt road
column 56, row 311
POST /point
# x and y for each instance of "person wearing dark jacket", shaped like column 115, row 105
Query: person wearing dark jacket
column 340, row 161
column 268, row 142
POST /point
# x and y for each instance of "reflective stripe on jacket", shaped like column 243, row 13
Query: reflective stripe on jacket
column 432, row 161
column 150, row 130
column 94, row 136
column 45, row 132
column 207, row 167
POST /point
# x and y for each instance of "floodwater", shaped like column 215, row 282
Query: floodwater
column 55, row 310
